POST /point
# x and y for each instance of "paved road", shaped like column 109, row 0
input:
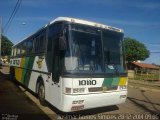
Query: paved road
column 139, row 104
column 140, row 101
column 15, row 105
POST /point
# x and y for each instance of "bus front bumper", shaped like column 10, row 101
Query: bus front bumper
column 87, row 101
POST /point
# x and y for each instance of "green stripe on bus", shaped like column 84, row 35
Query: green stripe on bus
column 28, row 72
column 111, row 82
column 115, row 81
column 107, row 82
column 24, row 70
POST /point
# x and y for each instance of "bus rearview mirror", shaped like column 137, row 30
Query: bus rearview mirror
column 62, row 43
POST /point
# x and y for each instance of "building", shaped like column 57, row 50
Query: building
column 143, row 67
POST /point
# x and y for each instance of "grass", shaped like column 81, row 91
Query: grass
column 149, row 77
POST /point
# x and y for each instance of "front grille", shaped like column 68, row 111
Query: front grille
column 95, row 89
column 112, row 88
column 102, row 89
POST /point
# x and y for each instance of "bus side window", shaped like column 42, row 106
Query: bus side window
column 53, row 50
column 23, row 48
column 49, row 56
column 36, row 42
column 12, row 54
column 14, row 51
column 18, row 50
column 56, row 61
column 53, row 58
column 30, row 46
column 40, row 42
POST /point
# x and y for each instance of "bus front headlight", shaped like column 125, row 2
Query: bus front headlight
column 78, row 90
column 122, row 87
column 68, row 90
column 74, row 90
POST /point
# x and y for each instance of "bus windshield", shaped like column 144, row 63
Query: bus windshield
column 113, row 52
column 92, row 50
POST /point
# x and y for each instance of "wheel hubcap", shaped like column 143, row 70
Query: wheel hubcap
column 41, row 91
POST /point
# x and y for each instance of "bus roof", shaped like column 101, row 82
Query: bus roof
column 75, row 20
column 80, row 21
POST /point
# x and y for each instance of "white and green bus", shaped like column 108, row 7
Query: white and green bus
column 72, row 64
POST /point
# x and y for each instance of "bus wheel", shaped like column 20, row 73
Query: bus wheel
column 41, row 93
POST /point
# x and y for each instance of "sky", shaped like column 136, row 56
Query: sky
column 140, row 19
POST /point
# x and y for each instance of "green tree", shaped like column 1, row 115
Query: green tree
column 135, row 50
column 6, row 46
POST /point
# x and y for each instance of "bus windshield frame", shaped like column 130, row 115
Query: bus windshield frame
column 93, row 51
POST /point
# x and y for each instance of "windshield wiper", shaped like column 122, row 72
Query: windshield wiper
column 116, row 69
column 92, row 67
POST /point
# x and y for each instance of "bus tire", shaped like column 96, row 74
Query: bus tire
column 41, row 93
column 12, row 74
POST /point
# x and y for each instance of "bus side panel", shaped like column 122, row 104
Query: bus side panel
column 39, row 64
column 25, row 60
column 18, row 73
column 27, row 72
column 23, row 70
column 53, row 92
column 15, row 68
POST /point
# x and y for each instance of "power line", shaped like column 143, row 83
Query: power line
column 155, row 52
column 0, row 35
column 154, row 44
column 16, row 7
column 12, row 14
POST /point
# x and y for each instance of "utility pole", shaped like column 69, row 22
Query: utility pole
column 159, row 73
column 0, row 35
